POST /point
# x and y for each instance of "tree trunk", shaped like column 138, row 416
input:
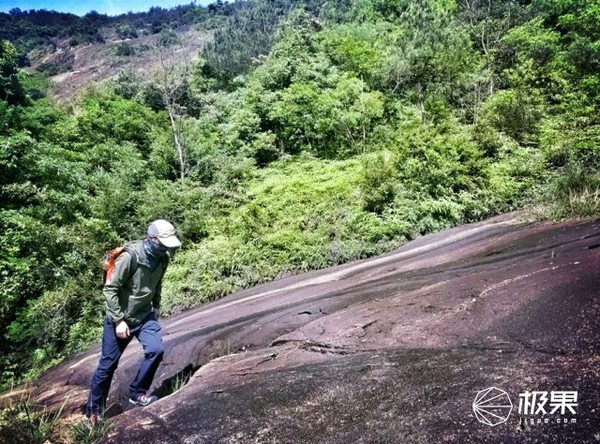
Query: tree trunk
column 176, row 138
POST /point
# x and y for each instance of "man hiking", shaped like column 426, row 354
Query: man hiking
column 132, row 289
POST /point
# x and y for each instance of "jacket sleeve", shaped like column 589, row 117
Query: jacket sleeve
column 113, row 285
column 158, row 292
column 157, row 295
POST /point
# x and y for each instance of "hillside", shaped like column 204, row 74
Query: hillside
column 86, row 65
column 389, row 349
column 279, row 139
column 77, row 52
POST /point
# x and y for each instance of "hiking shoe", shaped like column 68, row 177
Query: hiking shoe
column 95, row 420
column 143, row 399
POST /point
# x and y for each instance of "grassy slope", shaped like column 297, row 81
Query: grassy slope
column 299, row 214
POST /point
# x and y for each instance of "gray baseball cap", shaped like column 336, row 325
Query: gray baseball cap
column 164, row 231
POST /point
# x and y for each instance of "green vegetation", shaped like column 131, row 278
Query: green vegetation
column 60, row 64
column 124, row 49
column 84, row 432
column 247, row 33
column 34, row 28
column 340, row 135
column 176, row 382
column 24, row 422
column 243, row 29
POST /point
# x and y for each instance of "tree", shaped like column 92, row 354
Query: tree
column 10, row 87
column 487, row 22
column 430, row 52
column 172, row 80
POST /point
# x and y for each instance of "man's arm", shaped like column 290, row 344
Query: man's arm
column 156, row 300
column 113, row 285
column 158, row 293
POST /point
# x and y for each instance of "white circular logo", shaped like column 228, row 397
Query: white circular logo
column 492, row 406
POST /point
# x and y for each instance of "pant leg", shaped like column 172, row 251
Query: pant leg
column 112, row 349
column 150, row 337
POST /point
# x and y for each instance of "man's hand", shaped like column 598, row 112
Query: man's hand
column 122, row 329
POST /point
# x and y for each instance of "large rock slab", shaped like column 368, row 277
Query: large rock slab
column 389, row 349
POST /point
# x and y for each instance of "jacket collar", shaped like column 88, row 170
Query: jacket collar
column 138, row 247
column 142, row 257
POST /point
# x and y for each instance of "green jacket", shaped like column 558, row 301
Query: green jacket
column 133, row 299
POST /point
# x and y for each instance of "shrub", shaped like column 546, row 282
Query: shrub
column 576, row 192
column 124, row 49
column 380, row 181
column 53, row 68
column 126, row 31
column 27, row 423
column 84, row 432
column 516, row 113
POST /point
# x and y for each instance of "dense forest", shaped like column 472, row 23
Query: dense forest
column 307, row 135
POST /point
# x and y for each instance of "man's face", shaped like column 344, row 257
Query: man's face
column 160, row 247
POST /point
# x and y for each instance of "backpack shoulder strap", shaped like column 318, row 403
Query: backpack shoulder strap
column 134, row 261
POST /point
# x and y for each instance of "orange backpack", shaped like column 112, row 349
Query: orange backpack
column 108, row 263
